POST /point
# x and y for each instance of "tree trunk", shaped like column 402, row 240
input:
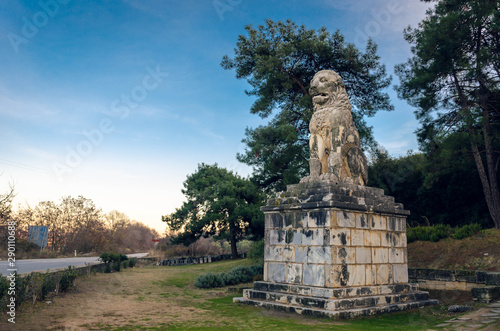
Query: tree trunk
column 490, row 196
column 232, row 234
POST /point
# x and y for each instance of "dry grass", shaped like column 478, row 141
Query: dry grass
column 480, row 252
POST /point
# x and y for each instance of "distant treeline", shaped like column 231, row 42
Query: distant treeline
column 75, row 224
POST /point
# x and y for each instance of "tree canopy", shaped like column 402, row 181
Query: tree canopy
column 218, row 203
column 279, row 59
column 453, row 80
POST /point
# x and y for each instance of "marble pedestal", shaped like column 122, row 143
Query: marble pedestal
column 335, row 250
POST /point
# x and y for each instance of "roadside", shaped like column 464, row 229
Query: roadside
column 158, row 298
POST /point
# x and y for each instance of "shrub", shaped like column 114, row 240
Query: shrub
column 124, row 265
column 441, row 231
column 467, row 230
column 235, row 276
column 68, row 279
column 116, row 266
column 210, row 280
column 131, row 263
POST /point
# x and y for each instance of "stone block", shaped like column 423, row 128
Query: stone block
column 362, row 221
column 486, row 294
column 378, row 222
column 273, row 253
column 319, row 219
column 400, row 273
column 293, row 237
column 357, row 237
column 396, row 255
column 339, row 275
column 372, row 238
column 396, row 224
column 386, row 239
column 301, row 290
column 322, row 292
column 345, row 219
column 276, row 272
column 265, row 275
column 289, row 254
column 370, row 275
column 313, row 237
column 356, row 275
column 380, row 255
column 274, row 220
column 301, row 254
column 321, row 254
column 384, row 274
column 346, row 255
column 340, row 237
column 314, row 274
column 296, row 219
column 294, row 273
column 363, row 255
column 277, row 237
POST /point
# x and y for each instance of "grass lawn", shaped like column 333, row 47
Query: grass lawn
column 160, row 298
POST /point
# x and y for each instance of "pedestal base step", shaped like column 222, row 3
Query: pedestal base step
column 340, row 314
column 339, row 303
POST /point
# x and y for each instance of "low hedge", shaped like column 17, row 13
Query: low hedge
column 237, row 275
column 440, row 231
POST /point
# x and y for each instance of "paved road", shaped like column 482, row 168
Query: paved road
column 27, row 266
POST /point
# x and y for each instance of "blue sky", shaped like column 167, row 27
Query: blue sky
column 119, row 101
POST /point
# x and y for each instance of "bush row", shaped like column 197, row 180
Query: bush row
column 34, row 286
column 440, row 231
column 115, row 261
column 237, row 275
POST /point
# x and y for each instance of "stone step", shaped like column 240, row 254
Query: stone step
column 335, row 304
column 338, row 314
column 334, row 293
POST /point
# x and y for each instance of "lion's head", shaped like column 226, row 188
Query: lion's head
column 327, row 89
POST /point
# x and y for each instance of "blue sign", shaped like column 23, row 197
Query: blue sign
column 38, row 235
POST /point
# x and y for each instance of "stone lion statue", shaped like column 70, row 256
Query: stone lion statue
column 336, row 154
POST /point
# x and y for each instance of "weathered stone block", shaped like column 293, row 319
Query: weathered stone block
column 273, row 220
column 357, row 237
column 313, row 237
column 345, row 219
column 380, row 255
column 386, row 239
column 400, row 273
column 277, row 237
column 396, row 223
column 346, row 255
column 273, row 253
column 370, row 275
column 276, row 272
column 289, row 254
column 294, row 274
column 362, row 221
column 363, row 255
column 340, row 237
column 320, row 254
column 314, row 274
column 384, row 273
column 396, row 255
column 356, row 275
column 293, row 237
column 301, row 254
column 378, row 222
column 296, row 219
column 372, row 238
column 319, row 219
